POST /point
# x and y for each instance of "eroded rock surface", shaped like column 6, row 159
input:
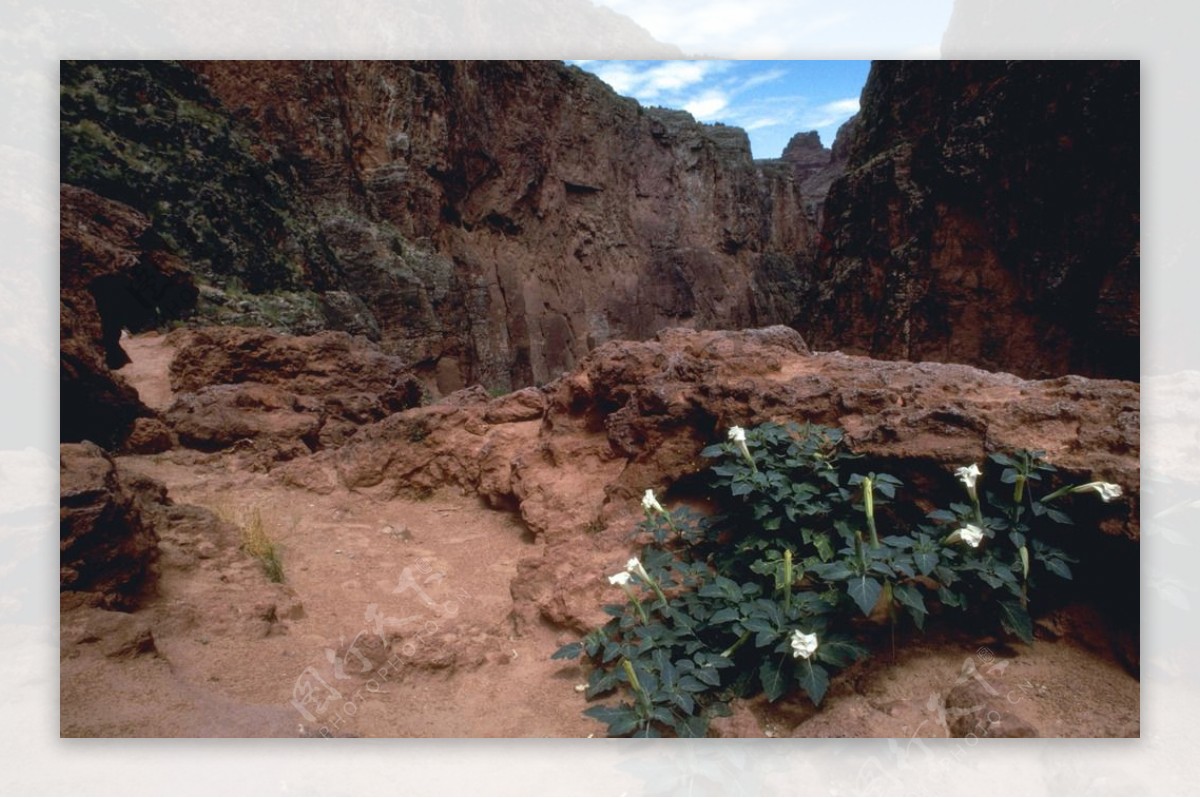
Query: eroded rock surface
column 636, row 415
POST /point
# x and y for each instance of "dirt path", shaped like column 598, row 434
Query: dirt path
column 432, row 575
column 239, row 656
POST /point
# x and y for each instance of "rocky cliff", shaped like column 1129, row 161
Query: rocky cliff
column 493, row 222
column 486, row 221
column 989, row 215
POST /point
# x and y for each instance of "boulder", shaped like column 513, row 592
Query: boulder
column 288, row 394
column 108, row 544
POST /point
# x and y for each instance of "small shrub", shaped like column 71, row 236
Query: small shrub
column 259, row 545
column 778, row 590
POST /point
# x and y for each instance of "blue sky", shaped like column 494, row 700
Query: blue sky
column 771, row 100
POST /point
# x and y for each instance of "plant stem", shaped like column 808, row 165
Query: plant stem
column 869, row 506
column 737, row 644
column 634, row 683
column 787, row 580
column 641, row 611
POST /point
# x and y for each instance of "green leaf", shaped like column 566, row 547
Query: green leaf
column 725, row 615
column 663, row 715
column 925, row 561
column 716, row 450
column 1058, row 516
column 814, row 679
column 601, row 681
column 684, row 701
column 865, row 592
column 824, row 547
column 569, row 651
column 690, row 684
column 709, row 676
column 881, row 567
column 942, row 515
column 840, row 653
column 759, row 625
column 620, row 720
column 1016, row 620
column 707, row 660
column 833, row 571
column 741, row 488
column 950, row 598
column 612, row 650
column 765, row 638
column 692, row 726
column 909, row 596
column 991, row 579
column 1058, row 567
column 771, row 676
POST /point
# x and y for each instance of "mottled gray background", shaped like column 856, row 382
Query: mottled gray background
column 34, row 36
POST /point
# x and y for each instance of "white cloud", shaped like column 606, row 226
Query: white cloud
column 657, row 81
column 676, row 75
column 623, row 79
column 762, row 77
column 707, row 105
column 762, row 122
column 847, row 106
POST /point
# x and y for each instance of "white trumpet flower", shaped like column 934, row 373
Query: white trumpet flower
column 803, row 645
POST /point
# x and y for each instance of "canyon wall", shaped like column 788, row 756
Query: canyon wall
column 492, row 221
column 501, row 219
column 989, row 214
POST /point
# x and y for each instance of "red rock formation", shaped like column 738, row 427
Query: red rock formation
column 636, row 415
column 287, row 395
column 500, row 219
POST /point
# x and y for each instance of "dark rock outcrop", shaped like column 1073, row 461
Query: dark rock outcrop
column 107, row 538
column 111, row 278
column 989, row 215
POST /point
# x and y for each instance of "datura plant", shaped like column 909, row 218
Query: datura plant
column 778, row 591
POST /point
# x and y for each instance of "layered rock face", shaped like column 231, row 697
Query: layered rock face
column 493, row 222
column 989, row 215
column 500, row 219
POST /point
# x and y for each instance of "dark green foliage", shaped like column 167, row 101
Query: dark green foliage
column 802, row 546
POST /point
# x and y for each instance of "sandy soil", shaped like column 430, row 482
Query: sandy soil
column 234, row 655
